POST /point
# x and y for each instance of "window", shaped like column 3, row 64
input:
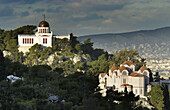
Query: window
column 45, row 30
column 27, row 40
column 105, row 80
column 124, row 73
column 124, row 81
column 32, row 40
column 140, row 91
column 44, row 40
column 145, row 73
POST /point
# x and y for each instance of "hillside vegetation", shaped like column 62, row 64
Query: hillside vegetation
column 64, row 77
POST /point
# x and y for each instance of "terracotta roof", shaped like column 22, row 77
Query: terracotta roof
column 113, row 68
column 128, row 63
column 149, row 85
column 103, row 74
column 122, row 68
column 102, row 82
column 126, row 85
column 143, row 68
column 136, row 75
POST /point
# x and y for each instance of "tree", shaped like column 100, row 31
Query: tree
column 80, row 65
column 98, row 66
column 129, row 101
column 166, row 97
column 123, row 55
column 38, row 74
column 45, row 53
column 87, row 47
column 34, row 55
column 2, row 67
column 157, row 97
column 2, row 45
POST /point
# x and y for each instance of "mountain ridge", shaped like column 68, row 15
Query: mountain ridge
column 156, row 41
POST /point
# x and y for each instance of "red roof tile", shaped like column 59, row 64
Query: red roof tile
column 143, row 68
column 136, row 75
column 122, row 68
column 113, row 68
column 126, row 85
column 149, row 85
column 128, row 63
column 103, row 74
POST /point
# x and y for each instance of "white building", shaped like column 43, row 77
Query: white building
column 43, row 36
column 127, row 76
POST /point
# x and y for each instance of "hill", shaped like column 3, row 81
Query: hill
column 148, row 42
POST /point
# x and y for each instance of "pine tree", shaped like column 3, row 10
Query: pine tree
column 157, row 97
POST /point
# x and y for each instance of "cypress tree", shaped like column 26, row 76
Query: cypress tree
column 2, row 67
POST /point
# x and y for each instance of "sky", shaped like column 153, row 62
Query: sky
column 85, row 17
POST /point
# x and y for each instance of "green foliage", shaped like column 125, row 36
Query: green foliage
column 129, row 101
column 45, row 53
column 67, row 66
column 2, row 67
column 123, row 55
column 80, row 65
column 87, row 47
column 34, row 55
column 38, row 74
column 1, row 31
column 28, row 29
column 98, row 66
column 15, row 68
column 166, row 97
column 2, row 45
column 61, row 79
column 157, row 97
column 8, row 40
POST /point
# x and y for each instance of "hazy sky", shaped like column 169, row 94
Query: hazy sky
column 83, row 17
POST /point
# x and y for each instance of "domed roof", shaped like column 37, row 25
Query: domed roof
column 143, row 68
column 103, row 74
column 122, row 68
column 43, row 24
column 113, row 68
column 136, row 75
column 128, row 63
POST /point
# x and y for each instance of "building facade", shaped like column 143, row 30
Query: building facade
column 44, row 36
column 126, row 76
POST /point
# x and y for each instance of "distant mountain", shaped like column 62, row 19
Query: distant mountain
column 149, row 43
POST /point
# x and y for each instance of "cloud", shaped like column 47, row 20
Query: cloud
column 108, row 21
column 107, row 7
column 57, row 9
column 18, row 1
column 39, row 10
column 87, row 17
column 26, row 13
column 6, row 11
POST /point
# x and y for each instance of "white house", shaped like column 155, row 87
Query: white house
column 43, row 36
column 126, row 76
